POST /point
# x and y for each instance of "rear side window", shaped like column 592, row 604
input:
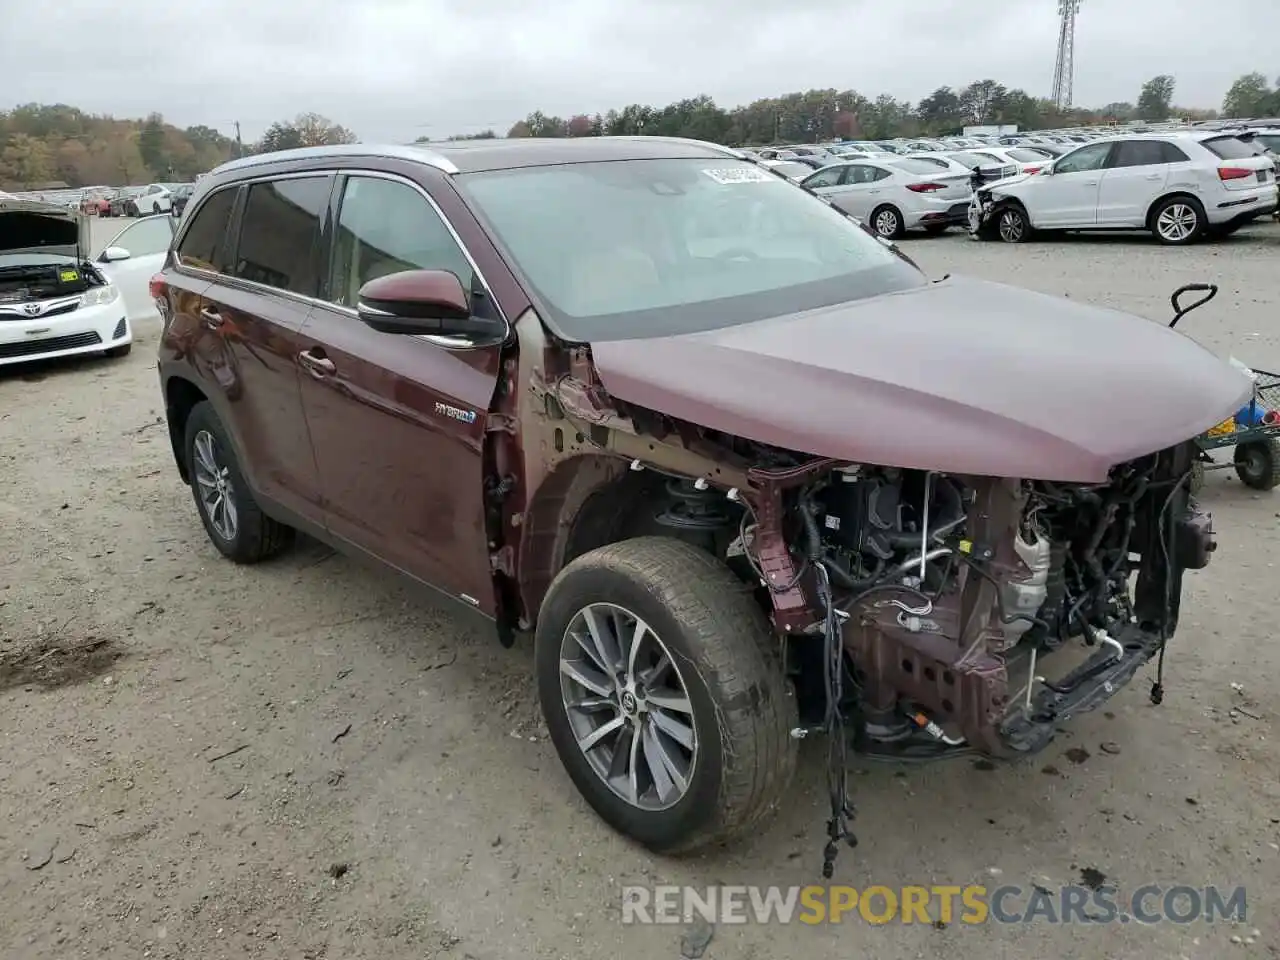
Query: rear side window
column 1229, row 148
column 203, row 244
column 278, row 233
column 1139, row 153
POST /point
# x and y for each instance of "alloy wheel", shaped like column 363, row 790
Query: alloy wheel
column 1177, row 222
column 628, row 706
column 887, row 224
column 213, row 480
column 1013, row 226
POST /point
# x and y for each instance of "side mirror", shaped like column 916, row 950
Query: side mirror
column 112, row 254
column 422, row 302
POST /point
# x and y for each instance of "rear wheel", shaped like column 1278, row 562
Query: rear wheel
column 232, row 518
column 1178, row 221
column 663, row 691
column 886, row 221
column 1258, row 463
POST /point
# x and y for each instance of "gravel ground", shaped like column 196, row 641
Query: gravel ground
column 308, row 759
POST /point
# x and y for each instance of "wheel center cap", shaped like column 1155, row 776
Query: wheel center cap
column 629, row 703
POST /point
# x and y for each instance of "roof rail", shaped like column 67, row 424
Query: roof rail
column 398, row 151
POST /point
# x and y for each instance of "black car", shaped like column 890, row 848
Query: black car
column 179, row 198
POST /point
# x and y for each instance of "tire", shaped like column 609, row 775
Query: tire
column 727, row 662
column 937, row 229
column 1178, row 221
column 886, row 221
column 115, row 353
column 1258, row 463
column 1012, row 224
column 155, row 208
column 253, row 536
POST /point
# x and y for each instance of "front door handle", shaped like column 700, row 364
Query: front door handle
column 211, row 317
column 317, row 366
column 1155, row 176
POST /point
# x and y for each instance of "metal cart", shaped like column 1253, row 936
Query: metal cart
column 1254, row 431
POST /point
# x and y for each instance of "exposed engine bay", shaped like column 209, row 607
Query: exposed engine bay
column 949, row 592
column 24, row 279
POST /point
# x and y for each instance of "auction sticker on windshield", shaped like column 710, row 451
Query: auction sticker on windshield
column 740, row 175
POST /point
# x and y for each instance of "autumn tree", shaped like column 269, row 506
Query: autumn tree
column 305, row 130
column 1156, row 98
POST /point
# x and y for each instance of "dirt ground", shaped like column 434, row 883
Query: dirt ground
column 308, row 759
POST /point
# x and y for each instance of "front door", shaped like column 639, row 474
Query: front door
column 397, row 422
column 1069, row 196
column 132, row 258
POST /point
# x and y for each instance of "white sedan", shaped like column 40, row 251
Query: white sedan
column 895, row 196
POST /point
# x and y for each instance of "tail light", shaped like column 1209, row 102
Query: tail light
column 1032, row 170
column 158, row 286
column 925, row 187
column 1234, row 173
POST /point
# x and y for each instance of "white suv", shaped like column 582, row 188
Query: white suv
column 1180, row 186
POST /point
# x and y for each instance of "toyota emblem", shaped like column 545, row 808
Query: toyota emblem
column 33, row 309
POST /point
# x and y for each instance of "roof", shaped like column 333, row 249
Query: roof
column 472, row 156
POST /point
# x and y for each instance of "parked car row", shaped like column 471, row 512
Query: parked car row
column 1181, row 184
column 133, row 201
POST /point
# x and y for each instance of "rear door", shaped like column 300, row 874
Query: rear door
column 858, row 189
column 254, row 311
column 1135, row 178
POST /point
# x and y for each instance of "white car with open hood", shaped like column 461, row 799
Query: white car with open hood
column 53, row 301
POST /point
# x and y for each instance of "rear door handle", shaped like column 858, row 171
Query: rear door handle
column 211, row 317
column 317, row 366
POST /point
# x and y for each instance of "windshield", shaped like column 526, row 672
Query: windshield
column 644, row 248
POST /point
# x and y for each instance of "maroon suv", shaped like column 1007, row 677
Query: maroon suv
column 742, row 468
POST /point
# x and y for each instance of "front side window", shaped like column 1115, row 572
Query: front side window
column 203, row 245
column 146, row 237
column 1087, row 158
column 385, row 227
column 278, row 233
column 656, row 247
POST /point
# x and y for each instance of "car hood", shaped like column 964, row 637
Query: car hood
column 961, row 376
column 32, row 226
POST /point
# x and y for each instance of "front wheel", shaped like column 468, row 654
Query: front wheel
column 1258, row 463
column 1013, row 225
column 1178, row 221
column 232, row 518
column 664, row 693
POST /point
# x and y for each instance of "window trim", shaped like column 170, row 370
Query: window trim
column 238, row 209
column 184, row 228
column 341, row 176
column 336, row 176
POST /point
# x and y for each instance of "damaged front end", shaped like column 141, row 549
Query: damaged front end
column 961, row 604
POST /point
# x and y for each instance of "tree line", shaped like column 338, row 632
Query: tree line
column 825, row 114
column 44, row 144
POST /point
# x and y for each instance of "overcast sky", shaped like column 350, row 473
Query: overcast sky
column 398, row 69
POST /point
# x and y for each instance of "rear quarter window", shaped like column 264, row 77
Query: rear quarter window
column 203, row 244
column 1229, row 148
